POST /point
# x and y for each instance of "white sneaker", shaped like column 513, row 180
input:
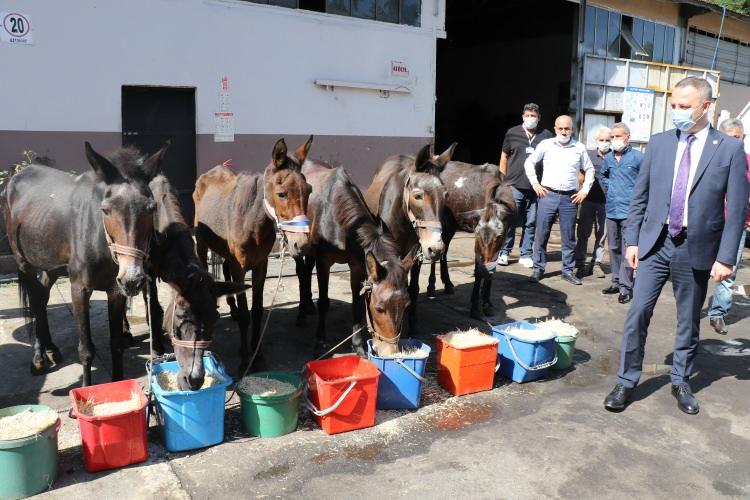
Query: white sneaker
column 526, row 262
column 502, row 260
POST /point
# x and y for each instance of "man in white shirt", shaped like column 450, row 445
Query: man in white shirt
column 562, row 158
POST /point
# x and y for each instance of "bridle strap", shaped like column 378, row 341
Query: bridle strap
column 367, row 292
column 188, row 344
column 116, row 249
column 434, row 226
column 298, row 224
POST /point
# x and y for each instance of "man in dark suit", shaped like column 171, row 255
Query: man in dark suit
column 676, row 227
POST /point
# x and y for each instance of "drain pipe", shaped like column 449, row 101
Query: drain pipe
column 718, row 38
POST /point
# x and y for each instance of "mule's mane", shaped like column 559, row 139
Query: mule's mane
column 168, row 203
column 129, row 161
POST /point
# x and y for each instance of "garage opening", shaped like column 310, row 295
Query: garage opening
column 497, row 57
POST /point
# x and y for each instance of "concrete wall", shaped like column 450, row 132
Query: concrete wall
column 733, row 97
column 67, row 86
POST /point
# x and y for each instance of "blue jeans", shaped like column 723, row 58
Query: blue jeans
column 552, row 205
column 721, row 302
column 526, row 218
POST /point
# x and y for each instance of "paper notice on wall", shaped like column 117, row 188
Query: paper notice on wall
column 223, row 126
column 16, row 28
column 224, row 94
column 638, row 112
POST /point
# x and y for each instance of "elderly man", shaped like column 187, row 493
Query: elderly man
column 722, row 299
column 592, row 215
column 518, row 144
column 677, row 229
column 619, row 173
column 562, row 158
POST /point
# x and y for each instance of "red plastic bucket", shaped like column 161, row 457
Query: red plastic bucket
column 112, row 441
column 466, row 370
column 342, row 392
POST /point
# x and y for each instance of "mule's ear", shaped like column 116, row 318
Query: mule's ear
column 376, row 271
column 152, row 166
column 279, row 153
column 301, row 152
column 408, row 261
column 102, row 166
column 222, row 288
column 423, row 158
column 446, row 156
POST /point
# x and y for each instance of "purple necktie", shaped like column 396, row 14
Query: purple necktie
column 679, row 190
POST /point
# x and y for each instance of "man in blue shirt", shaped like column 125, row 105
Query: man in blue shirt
column 619, row 172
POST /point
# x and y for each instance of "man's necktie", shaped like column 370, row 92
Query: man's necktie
column 679, row 190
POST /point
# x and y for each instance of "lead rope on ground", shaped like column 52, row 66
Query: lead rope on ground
column 265, row 324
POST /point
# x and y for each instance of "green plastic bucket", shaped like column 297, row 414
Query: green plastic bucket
column 565, row 347
column 28, row 465
column 271, row 416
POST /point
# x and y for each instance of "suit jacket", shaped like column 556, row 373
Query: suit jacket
column 721, row 173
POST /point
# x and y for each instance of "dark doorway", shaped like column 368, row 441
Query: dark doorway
column 497, row 57
column 153, row 115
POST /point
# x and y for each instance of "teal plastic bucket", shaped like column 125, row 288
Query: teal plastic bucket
column 28, row 465
column 565, row 347
column 271, row 416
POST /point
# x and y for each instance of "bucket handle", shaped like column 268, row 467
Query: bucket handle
column 323, row 413
column 499, row 362
column 524, row 365
column 408, row 369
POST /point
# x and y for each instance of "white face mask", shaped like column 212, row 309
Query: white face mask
column 618, row 144
column 563, row 139
column 602, row 146
column 530, row 122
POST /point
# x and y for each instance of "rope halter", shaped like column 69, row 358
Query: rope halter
column 367, row 292
column 434, row 226
column 298, row 224
column 116, row 249
column 187, row 344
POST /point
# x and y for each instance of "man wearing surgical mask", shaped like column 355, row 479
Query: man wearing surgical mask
column 591, row 216
column 518, row 144
column 677, row 230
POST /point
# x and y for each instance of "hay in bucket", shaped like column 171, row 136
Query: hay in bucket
column 26, row 423
column 468, row 338
column 558, row 327
column 91, row 408
column 407, row 352
column 262, row 386
column 168, row 381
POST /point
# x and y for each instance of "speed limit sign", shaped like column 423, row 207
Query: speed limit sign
column 16, row 28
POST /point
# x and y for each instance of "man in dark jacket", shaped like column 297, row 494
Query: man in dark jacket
column 619, row 173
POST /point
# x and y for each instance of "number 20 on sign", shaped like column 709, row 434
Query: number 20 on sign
column 16, row 28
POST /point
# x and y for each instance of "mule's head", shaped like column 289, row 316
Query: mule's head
column 387, row 300
column 287, row 193
column 424, row 199
column 490, row 233
column 127, row 210
column 190, row 321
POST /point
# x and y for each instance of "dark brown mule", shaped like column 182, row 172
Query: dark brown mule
column 99, row 225
column 342, row 230
column 193, row 309
column 407, row 195
column 235, row 216
column 477, row 202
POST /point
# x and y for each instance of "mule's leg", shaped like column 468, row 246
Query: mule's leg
column 116, row 303
column 444, row 276
column 303, row 267
column 356, row 277
column 413, row 296
column 259, row 280
column 241, row 314
column 230, row 269
column 431, row 281
column 32, row 295
column 80, row 297
column 309, row 266
column 324, row 303
column 51, row 352
column 127, row 335
column 202, row 250
column 487, row 307
column 156, row 318
column 476, row 311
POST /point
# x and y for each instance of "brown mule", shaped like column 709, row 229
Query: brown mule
column 235, row 217
column 477, row 202
column 407, row 195
column 342, row 230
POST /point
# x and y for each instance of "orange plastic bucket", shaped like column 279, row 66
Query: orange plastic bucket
column 466, row 370
column 342, row 392
column 116, row 440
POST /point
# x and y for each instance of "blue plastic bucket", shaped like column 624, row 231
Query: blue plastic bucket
column 191, row 419
column 400, row 385
column 523, row 360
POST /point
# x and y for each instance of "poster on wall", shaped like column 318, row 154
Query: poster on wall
column 16, row 28
column 223, row 126
column 638, row 112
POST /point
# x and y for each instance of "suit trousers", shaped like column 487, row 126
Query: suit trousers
column 547, row 209
column 591, row 216
column 622, row 273
column 669, row 257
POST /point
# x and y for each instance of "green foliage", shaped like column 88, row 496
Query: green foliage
column 741, row 6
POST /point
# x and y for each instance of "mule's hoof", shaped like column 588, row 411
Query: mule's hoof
column 37, row 366
column 431, row 293
column 449, row 289
column 54, row 356
column 128, row 340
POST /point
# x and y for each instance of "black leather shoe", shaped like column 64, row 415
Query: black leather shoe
column 685, row 399
column 618, row 399
column 624, row 298
column 611, row 290
column 536, row 276
column 719, row 326
column 571, row 279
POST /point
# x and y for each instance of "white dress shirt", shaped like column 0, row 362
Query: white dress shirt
column 695, row 155
column 561, row 162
